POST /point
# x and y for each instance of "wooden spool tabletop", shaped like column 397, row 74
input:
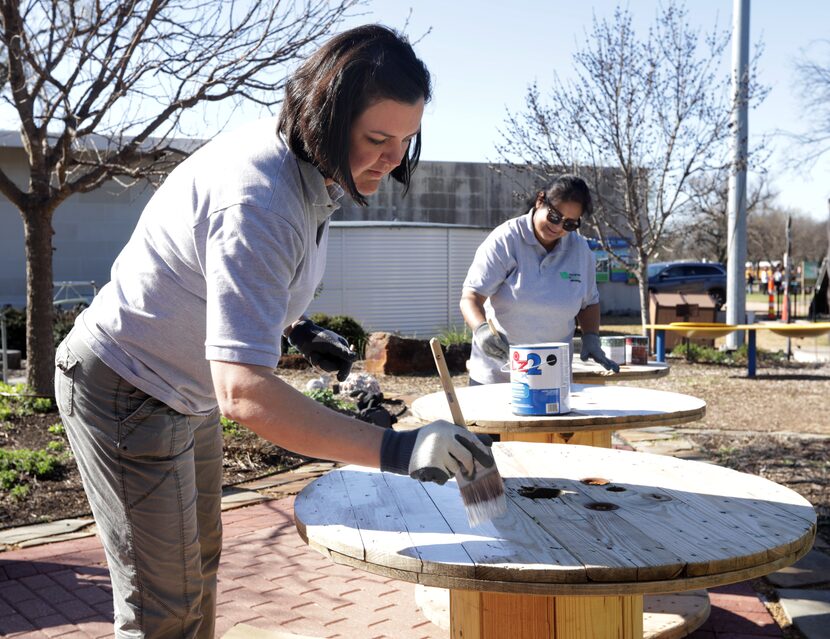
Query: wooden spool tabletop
column 486, row 409
column 590, row 372
column 581, row 521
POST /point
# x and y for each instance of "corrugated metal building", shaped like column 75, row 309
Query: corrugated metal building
column 401, row 277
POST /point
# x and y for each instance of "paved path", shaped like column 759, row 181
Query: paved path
column 269, row 579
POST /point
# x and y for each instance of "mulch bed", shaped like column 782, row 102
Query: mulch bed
column 247, row 456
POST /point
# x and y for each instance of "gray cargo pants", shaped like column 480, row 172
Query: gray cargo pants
column 153, row 478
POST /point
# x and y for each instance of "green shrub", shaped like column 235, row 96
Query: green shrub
column 455, row 335
column 57, row 429
column 16, row 329
column 8, row 479
column 346, row 326
column 17, row 400
column 20, row 492
column 229, row 427
column 326, row 398
column 64, row 320
column 56, row 446
column 62, row 323
column 708, row 355
column 19, row 467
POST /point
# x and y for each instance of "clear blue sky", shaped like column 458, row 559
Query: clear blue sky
column 484, row 53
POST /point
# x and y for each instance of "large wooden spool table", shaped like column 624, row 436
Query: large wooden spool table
column 596, row 411
column 592, row 373
column 588, row 532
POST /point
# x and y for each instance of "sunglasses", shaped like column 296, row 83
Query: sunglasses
column 556, row 218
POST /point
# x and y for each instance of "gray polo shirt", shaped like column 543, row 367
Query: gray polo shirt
column 227, row 253
column 533, row 295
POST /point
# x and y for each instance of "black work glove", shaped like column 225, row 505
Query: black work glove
column 323, row 348
column 435, row 452
column 591, row 348
column 493, row 345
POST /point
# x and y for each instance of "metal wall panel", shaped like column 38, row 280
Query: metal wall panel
column 403, row 279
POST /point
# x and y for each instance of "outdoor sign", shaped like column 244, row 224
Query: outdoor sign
column 608, row 269
column 809, row 271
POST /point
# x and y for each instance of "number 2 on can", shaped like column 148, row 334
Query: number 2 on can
column 530, row 366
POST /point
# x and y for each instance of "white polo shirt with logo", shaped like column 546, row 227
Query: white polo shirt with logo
column 533, row 295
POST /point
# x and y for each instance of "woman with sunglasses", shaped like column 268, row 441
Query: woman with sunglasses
column 533, row 277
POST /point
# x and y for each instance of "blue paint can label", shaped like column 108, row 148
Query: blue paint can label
column 540, row 378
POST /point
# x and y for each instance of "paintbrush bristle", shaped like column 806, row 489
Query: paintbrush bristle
column 483, row 497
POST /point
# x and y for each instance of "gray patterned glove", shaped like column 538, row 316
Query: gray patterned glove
column 435, row 452
column 323, row 348
column 495, row 346
column 591, row 348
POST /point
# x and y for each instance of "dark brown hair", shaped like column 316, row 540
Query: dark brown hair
column 336, row 84
column 567, row 188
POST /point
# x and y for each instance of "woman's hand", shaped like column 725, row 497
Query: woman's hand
column 591, row 348
column 494, row 344
column 436, row 452
column 323, row 348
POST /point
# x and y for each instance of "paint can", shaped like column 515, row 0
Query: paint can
column 636, row 349
column 614, row 348
column 540, row 378
column 576, row 347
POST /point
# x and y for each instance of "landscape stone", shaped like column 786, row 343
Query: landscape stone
column 390, row 354
column 809, row 610
column 14, row 536
column 810, row 570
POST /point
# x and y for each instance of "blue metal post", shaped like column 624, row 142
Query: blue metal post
column 750, row 354
column 660, row 347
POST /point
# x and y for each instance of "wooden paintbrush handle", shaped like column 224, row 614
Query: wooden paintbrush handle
column 446, row 382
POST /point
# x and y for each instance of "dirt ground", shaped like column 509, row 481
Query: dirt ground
column 777, row 426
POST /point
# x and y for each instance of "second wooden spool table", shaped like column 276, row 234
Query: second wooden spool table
column 596, row 411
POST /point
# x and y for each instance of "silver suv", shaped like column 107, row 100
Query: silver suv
column 688, row 277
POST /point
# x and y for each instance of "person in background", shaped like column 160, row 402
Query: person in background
column 225, row 258
column 533, row 277
column 778, row 279
column 764, row 275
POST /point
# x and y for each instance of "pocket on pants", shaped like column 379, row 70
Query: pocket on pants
column 151, row 430
column 66, row 363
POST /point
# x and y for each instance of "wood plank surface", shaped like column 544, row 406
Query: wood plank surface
column 592, row 373
column 487, row 409
column 580, row 520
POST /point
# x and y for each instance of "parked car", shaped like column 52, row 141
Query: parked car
column 689, row 277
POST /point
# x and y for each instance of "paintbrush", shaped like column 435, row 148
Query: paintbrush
column 483, row 492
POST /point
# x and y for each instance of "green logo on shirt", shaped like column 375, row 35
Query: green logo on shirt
column 570, row 277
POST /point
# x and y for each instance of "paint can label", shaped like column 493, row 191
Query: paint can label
column 636, row 349
column 540, row 377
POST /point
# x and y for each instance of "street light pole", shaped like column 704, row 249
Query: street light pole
column 735, row 279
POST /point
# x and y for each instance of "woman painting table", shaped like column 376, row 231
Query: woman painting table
column 532, row 278
column 224, row 260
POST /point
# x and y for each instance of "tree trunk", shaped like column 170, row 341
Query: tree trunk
column 642, row 283
column 40, row 346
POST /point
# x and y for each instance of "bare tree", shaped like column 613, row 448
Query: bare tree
column 704, row 231
column 100, row 90
column 813, row 73
column 766, row 235
column 640, row 119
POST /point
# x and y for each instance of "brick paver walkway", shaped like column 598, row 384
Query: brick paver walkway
column 268, row 578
